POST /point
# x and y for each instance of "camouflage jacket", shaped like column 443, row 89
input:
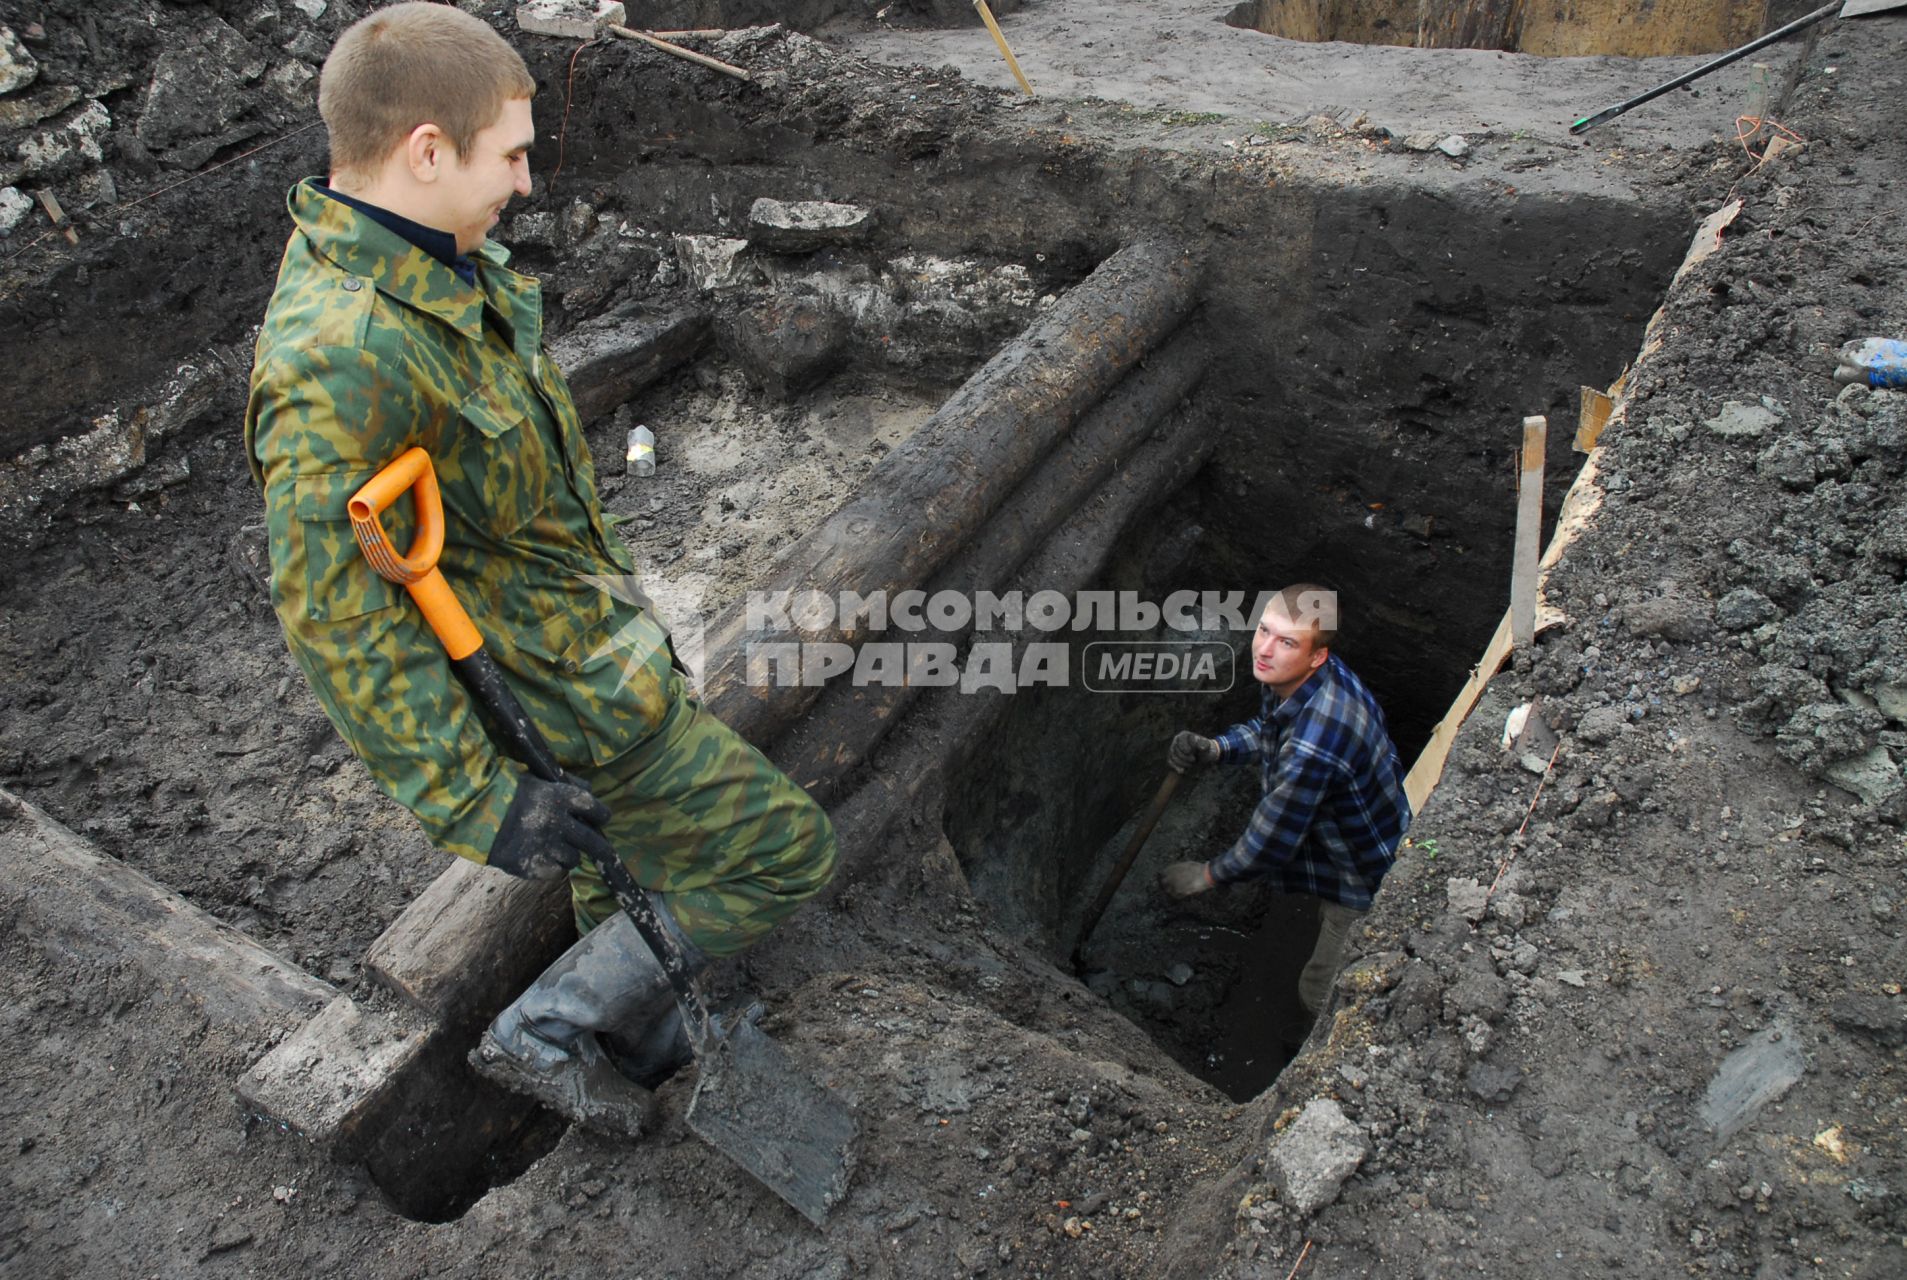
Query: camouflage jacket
column 370, row 346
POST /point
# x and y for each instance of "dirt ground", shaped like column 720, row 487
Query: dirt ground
column 1636, row 1015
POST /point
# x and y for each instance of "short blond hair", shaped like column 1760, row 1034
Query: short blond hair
column 411, row 64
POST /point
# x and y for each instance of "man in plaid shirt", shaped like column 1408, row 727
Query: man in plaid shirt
column 1334, row 808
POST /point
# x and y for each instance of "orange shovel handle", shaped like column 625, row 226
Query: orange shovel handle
column 416, row 569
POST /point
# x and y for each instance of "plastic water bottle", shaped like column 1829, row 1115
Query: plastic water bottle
column 1874, row 362
column 640, row 460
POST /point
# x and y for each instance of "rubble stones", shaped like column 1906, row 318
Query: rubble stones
column 1872, row 775
column 197, row 92
column 1790, row 463
column 1477, row 994
column 1820, row 734
column 1743, row 608
column 49, row 152
column 1311, row 1160
column 802, row 226
column 1468, row 898
column 43, row 103
column 17, row 68
column 1669, row 617
column 534, row 229
column 15, row 204
column 714, row 263
column 1491, row 1082
column 1600, row 725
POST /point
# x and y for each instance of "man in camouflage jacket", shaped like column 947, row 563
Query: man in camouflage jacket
column 395, row 323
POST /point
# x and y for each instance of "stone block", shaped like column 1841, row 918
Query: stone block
column 789, row 345
column 1311, row 1161
column 17, row 68
column 802, row 226
column 714, row 263
column 570, row 19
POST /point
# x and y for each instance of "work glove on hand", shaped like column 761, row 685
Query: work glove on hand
column 548, row 828
column 1183, row 879
column 1188, row 749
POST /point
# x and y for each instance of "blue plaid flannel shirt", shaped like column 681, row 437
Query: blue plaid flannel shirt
column 1334, row 808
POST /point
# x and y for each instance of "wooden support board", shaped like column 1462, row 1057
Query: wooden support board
column 1529, row 529
column 65, row 894
column 1579, row 504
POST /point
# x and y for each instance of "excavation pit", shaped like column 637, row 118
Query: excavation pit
column 1370, row 323
column 1625, row 28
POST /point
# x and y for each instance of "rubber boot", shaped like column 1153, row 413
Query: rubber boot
column 546, row 1045
column 664, row 1048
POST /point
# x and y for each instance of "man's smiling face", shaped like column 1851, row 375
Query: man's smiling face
column 472, row 189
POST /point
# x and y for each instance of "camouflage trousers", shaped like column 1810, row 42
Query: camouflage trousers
column 703, row 818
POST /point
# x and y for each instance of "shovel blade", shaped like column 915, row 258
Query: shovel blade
column 755, row 1106
column 1858, row 8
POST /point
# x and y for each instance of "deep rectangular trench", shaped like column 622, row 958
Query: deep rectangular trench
column 1375, row 346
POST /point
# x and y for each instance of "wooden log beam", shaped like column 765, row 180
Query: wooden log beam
column 944, row 732
column 65, row 895
column 847, row 722
column 606, row 362
column 929, row 495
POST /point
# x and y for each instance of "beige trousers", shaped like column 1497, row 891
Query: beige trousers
column 1334, row 925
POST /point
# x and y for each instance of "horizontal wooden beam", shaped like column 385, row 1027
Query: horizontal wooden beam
column 77, row 902
column 607, row 362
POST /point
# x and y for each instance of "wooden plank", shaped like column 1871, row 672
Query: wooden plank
column 1579, row 504
column 1591, row 417
column 75, row 901
column 425, row 955
column 1529, row 531
column 51, row 204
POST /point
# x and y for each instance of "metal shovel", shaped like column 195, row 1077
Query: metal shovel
column 1840, row 8
column 1843, row 8
column 751, row 1102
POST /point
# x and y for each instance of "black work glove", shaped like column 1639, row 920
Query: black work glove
column 1188, row 749
column 548, row 828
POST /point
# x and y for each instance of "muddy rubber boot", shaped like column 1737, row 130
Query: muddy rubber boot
column 664, row 1048
column 546, row 1046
